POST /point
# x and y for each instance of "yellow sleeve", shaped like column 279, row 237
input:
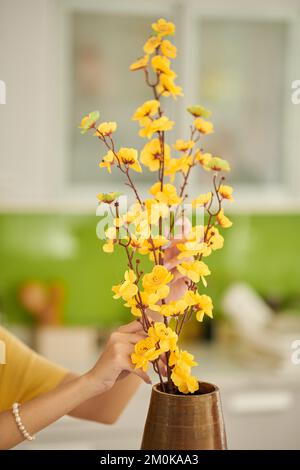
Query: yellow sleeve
column 25, row 374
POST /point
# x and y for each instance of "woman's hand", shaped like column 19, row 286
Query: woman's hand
column 115, row 362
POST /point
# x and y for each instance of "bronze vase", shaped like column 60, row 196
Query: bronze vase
column 185, row 422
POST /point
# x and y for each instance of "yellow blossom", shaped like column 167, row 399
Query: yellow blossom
column 158, row 278
column 168, row 49
column 108, row 198
column 174, row 307
column 148, row 246
column 205, row 127
column 156, row 210
column 226, row 192
column 176, row 165
column 195, row 244
column 152, row 43
column 106, row 128
column 128, row 288
column 108, row 247
column 161, row 65
column 202, row 200
column 157, row 125
column 167, row 87
column 218, row 164
column 144, row 352
column 111, row 235
column 182, row 362
column 194, row 270
column 168, row 195
column 151, row 155
column 202, row 304
column 88, row 122
column 199, row 111
column 184, row 145
column 204, row 159
column 214, row 239
column 223, row 221
column 108, row 161
column 149, row 108
column 163, row 27
column 129, row 157
column 164, row 335
column 186, row 383
column 140, row 63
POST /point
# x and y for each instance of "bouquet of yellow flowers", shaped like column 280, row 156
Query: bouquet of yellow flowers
column 141, row 230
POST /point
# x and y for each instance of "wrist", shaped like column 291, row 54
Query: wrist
column 93, row 383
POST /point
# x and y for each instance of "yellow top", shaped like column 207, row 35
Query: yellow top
column 25, row 374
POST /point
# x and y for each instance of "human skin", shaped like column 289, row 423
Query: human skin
column 102, row 393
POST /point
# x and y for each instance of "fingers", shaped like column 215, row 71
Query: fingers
column 140, row 373
column 131, row 327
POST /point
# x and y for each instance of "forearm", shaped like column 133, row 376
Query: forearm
column 39, row 412
column 107, row 407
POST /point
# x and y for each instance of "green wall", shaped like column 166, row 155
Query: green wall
column 259, row 249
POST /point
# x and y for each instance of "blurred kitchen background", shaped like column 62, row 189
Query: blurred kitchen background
column 62, row 59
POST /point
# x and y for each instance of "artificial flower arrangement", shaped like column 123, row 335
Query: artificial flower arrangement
column 140, row 231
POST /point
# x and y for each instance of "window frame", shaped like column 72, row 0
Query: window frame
column 188, row 13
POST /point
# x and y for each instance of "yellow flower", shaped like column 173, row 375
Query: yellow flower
column 205, row 127
column 140, row 63
column 175, row 307
column 178, row 164
column 89, row 121
column 158, row 278
column 167, row 87
column 204, row 159
column 202, row 200
column 184, row 145
column 151, row 155
column 128, row 288
column 164, row 335
column 161, row 65
column 195, row 270
column 107, row 161
column 144, row 352
column 152, row 43
column 186, row 383
column 226, row 192
column 218, row 164
column 168, row 195
column 163, row 27
column 168, row 49
column 149, row 108
column 223, row 221
column 111, row 235
column 147, row 246
column 108, row 198
column 194, row 245
column 128, row 156
column 202, row 304
column 183, row 362
column 199, row 111
column 214, row 239
column 156, row 210
column 108, row 247
column 106, row 128
column 157, row 125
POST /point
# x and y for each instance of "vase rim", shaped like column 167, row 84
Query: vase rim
column 215, row 389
